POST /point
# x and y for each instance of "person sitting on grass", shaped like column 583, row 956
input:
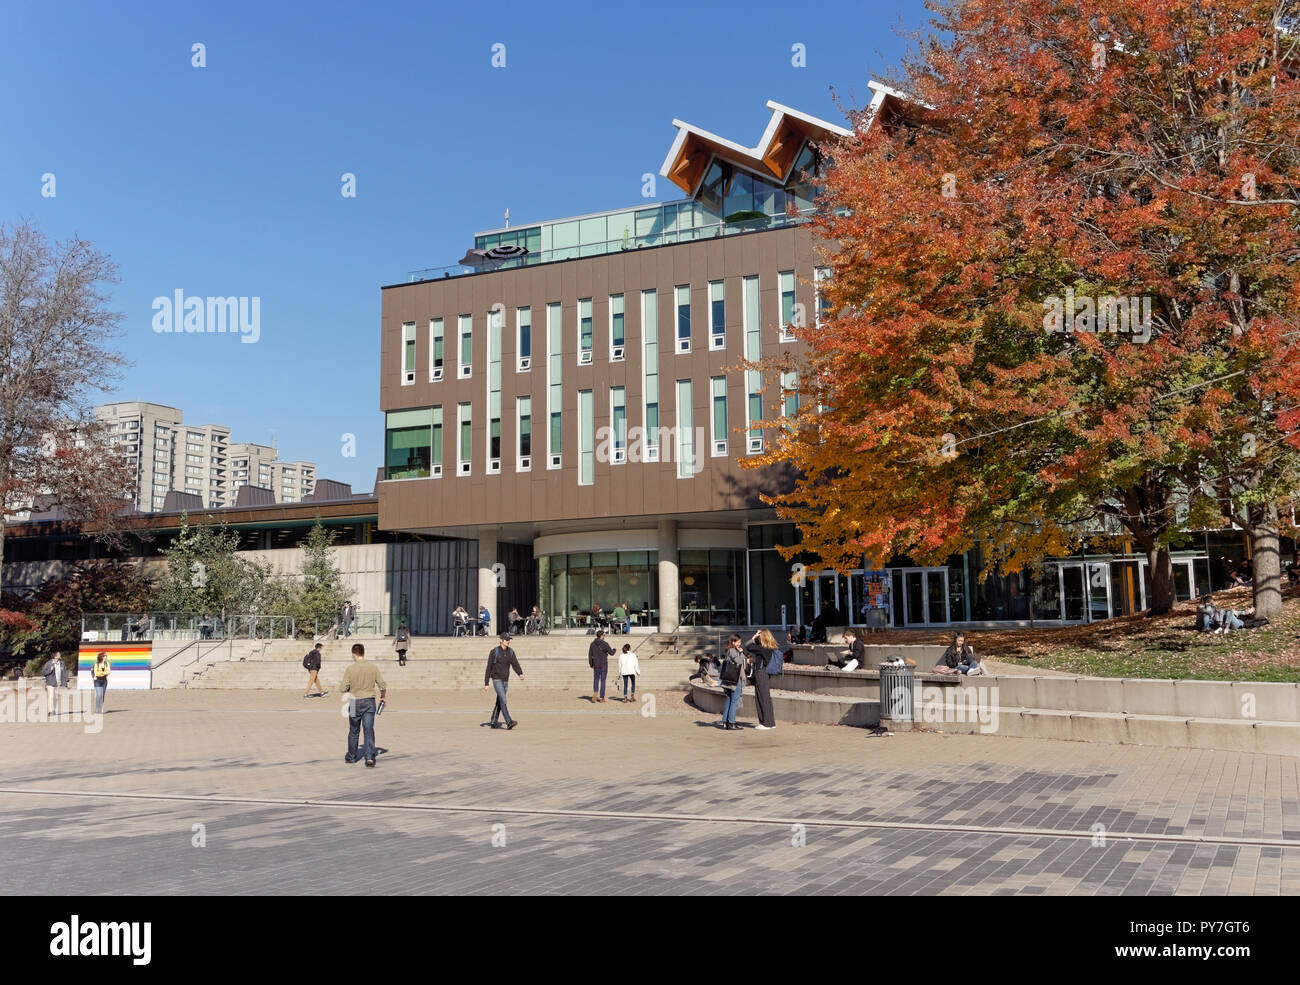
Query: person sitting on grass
column 1207, row 615
column 1233, row 619
column 957, row 654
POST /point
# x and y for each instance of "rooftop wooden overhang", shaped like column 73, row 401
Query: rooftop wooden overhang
column 774, row 155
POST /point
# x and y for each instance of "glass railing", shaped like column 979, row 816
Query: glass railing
column 659, row 238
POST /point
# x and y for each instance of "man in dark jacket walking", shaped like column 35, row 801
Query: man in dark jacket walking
column 311, row 663
column 598, row 655
column 497, row 677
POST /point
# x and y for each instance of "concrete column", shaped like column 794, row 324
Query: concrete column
column 487, row 578
column 670, row 606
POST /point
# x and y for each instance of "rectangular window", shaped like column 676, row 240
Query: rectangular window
column 464, row 439
column 820, row 276
column 466, row 346
column 785, row 281
column 524, row 419
column 617, row 332
column 753, row 352
column 718, row 387
column 618, row 424
column 586, row 333
column 496, row 327
column 435, row 349
column 554, row 396
column 586, row 438
column 790, row 393
column 717, row 315
column 523, row 339
column 685, row 431
column 406, row 444
column 650, row 369
column 436, row 466
column 683, row 294
column 408, row 353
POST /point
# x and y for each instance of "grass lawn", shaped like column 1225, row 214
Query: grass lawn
column 1165, row 646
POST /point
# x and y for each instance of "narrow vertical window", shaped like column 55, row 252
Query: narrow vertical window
column 650, row 368
column 524, row 417
column 437, row 441
column 586, row 438
column 718, row 387
column 523, row 339
column 717, row 315
column 790, row 394
column 554, row 396
column 466, row 346
column 496, row 327
column 786, row 285
column 820, row 276
column 435, row 350
column 753, row 352
column 464, row 439
column 586, row 333
column 685, row 431
column 408, row 353
column 617, row 334
column 683, row 305
column 618, row 423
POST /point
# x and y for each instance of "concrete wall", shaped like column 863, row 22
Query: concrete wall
column 432, row 575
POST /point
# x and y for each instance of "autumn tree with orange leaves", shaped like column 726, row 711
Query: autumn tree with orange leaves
column 986, row 374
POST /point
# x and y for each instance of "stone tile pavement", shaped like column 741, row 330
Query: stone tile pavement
column 604, row 799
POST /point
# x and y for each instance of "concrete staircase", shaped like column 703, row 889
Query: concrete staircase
column 434, row 663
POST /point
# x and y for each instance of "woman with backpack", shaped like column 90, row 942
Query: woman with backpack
column 764, row 661
column 732, row 681
column 402, row 643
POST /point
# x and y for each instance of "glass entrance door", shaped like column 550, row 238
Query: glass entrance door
column 1085, row 591
column 1073, row 593
column 925, row 596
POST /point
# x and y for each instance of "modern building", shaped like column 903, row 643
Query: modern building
column 577, row 389
column 576, row 386
column 168, row 455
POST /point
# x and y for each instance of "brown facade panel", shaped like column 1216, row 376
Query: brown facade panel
column 619, row 490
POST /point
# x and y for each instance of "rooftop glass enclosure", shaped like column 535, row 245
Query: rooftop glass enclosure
column 751, row 201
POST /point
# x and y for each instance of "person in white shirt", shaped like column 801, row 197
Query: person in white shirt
column 629, row 666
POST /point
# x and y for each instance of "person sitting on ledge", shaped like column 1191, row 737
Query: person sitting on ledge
column 855, row 656
column 957, row 654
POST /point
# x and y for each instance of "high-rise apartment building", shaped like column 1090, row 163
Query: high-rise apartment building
column 199, row 459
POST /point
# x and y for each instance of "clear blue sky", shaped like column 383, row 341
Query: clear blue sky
column 225, row 180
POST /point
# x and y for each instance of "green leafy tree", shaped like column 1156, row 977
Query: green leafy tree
column 206, row 575
column 321, row 590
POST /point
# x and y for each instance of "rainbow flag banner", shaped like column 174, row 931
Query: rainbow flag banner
column 131, row 663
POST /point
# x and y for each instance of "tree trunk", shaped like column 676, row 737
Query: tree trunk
column 1161, row 566
column 1267, row 563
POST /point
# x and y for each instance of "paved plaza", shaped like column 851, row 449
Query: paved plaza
column 222, row 792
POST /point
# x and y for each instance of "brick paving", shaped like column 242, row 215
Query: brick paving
column 803, row 809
